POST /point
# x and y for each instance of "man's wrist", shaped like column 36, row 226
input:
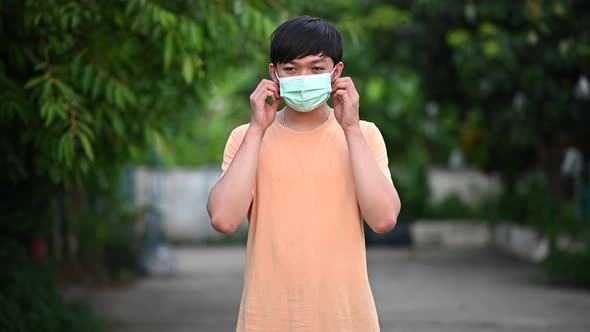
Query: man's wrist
column 255, row 131
column 352, row 130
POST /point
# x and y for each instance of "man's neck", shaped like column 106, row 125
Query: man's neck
column 302, row 121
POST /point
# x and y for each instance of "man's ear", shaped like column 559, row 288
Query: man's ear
column 338, row 70
column 273, row 72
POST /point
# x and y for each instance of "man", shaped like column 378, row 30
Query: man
column 303, row 176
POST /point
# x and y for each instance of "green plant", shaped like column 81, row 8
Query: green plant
column 569, row 268
column 29, row 297
column 529, row 203
column 412, row 185
column 451, row 207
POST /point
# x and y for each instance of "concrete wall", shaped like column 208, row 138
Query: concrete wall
column 470, row 185
column 180, row 195
column 451, row 234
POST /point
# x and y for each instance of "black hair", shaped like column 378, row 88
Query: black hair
column 303, row 36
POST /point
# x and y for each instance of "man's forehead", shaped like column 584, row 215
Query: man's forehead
column 310, row 59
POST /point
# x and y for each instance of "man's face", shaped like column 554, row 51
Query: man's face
column 309, row 65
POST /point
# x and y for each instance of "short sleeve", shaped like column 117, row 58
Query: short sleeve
column 231, row 148
column 377, row 146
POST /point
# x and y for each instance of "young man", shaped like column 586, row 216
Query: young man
column 303, row 176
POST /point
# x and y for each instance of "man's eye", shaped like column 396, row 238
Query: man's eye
column 318, row 68
column 289, row 69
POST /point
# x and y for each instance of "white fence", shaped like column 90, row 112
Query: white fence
column 180, row 195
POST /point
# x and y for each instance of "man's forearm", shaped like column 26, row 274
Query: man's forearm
column 377, row 197
column 230, row 199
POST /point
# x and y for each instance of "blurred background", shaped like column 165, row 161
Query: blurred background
column 114, row 115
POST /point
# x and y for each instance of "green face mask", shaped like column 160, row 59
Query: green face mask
column 305, row 93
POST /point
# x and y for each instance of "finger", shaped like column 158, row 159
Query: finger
column 267, row 85
column 345, row 83
column 341, row 80
column 341, row 96
column 270, row 94
column 336, row 99
column 352, row 94
column 275, row 91
column 274, row 105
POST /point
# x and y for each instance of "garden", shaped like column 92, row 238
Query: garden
column 91, row 90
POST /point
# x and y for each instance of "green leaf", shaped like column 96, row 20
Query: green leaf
column 119, row 99
column 168, row 51
column 87, row 78
column 63, row 152
column 129, row 96
column 84, row 128
column 41, row 66
column 188, row 70
column 76, row 65
column 50, row 116
column 86, row 145
column 117, row 123
column 491, row 49
column 35, row 81
column 47, row 90
column 458, row 38
column 47, row 111
column 96, row 86
column 109, row 92
column 65, row 89
column 487, row 29
column 196, row 36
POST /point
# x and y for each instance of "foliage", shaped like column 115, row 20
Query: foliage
column 511, row 69
column 453, row 207
column 86, row 103
column 29, row 298
column 569, row 268
column 529, row 203
column 87, row 88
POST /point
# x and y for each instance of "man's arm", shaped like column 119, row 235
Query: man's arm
column 231, row 197
column 377, row 197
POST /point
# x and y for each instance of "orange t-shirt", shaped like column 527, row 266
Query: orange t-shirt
column 306, row 267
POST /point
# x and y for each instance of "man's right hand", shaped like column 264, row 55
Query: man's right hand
column 263, row 114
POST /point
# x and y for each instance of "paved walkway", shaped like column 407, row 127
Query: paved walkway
column 415, row 291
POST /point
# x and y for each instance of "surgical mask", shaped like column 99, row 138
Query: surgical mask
column 305, row 93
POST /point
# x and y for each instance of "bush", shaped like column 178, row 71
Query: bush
column 29, row 297
column 451, row 207
column 530, row 203
column 569, row 268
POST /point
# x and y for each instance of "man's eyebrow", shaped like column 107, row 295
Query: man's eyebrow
column 296, row 61
column 321, row 59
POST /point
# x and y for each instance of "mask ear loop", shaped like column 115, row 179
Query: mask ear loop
column 333, row 70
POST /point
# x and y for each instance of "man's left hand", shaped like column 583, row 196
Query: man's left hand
column 346, row 103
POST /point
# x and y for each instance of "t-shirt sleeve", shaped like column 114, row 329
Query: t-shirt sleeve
column 231, row 148
column 377, row 146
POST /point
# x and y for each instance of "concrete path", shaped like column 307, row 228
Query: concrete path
column 415, row 291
